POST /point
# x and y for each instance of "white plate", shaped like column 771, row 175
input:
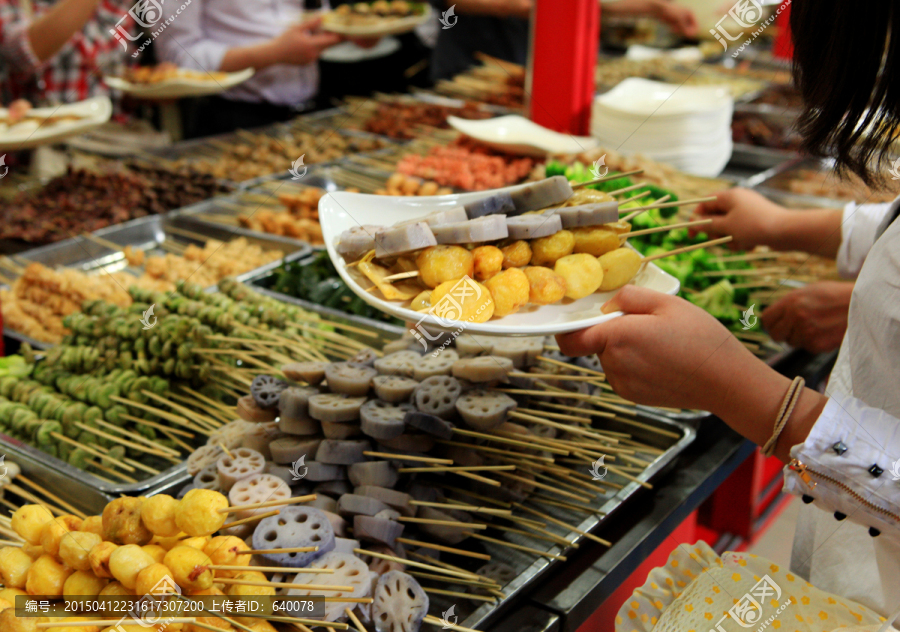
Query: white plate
column 350, row 53
column 515, row 134
column 383, row 28
column 94, row 112
column 636, row 97
column 179, row 87
column 340, row 210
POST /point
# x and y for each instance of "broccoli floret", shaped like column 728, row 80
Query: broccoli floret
column 718, row 301
column 554, row 169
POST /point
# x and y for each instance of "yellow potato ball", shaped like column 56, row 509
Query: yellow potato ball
column 99, row 559
column 28, row 522
column 545, row 287
column 465, row 300
column 51, row 535
column 126, row 562
column 595, row 240
column 81, row 628
column 516, row 254
column 47, row 577
column 619, row 267
column 83, row 584
column 14, row 565
column 198, row 514
column 488, row 262
column 154, row 579
column 510, row 290
column 9, row 622
column 122, row 522
column 438, row 264
column 115, row 589
column 582, row 273
column 75, row 549
column 190, row 568
column 236, row 590
column 93, row 524
column 199, row 542
column 10, row 594
column 158, row 515
column 156, row 552
column 548, row 250
column 619, row 227
column 226, row 550
column 33, row 550
column 4, row 604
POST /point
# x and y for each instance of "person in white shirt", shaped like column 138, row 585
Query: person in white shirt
column 273, row 37
column 843, row 447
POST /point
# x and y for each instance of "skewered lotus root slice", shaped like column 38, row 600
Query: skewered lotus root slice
column 231, row 434
column 266, row 390
column 287, row 450
column 310, row 372
column 390, row 497
column 348, row 569
column 377, row 529
column 335, row 489
column 444, row 533
column 381, row 420
column 354, row 505
column 340, row 430
column 203, row 456
column 484, row 410
column 260, row 437
column 322, row 472
column 365, row 357
column 409, row 442
column 430, row 424
column 400, row 603
column 471, row 345
column 388, row 514
column 590, row 362
column 357, row 241
column 208, row 478
column 430, row 366
column 345, row 545
column 400, row 363
column 294, row 527
column 257, row 489
column 294, row 411
column 337, row 523
column 335, row 408
column 342, row 452
column 382, row 566
column 282, row 472
column 498, row 571
column 393, row 388
column 242, row 463
column 522, row 351
column 347, row 379
column 378, row 473
column 437, row 395
column 483, row 369
column 404, row 343
column 249, row 410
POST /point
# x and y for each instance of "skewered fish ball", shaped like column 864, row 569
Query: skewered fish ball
column 545, row 287
column 93, row 524
column 548, row 250
column 516, row 254
column 509, row 290
column 47, row 577
column 116, row 589
column 155, row 551
column 438, row 264
column 14, row 565
column 75, row 549
column 197, row 513
column 150, row 577
column 28, row 522
column 619, row 267
column 190, row 568
column 158, row 515
column 126, row 562
column 227, row 550
column 54, row 531
column 10, row 623
column 122, row 522
column 99, row 559
column 582, row 273
column 83, row 584
column 471, row 303
column 595, row 240
column 488, row 262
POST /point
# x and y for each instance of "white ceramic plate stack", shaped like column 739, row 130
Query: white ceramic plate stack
column 685, row 126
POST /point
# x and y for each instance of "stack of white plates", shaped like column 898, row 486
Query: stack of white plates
column 684, row 126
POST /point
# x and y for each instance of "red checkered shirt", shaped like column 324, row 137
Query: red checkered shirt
column 75, row 72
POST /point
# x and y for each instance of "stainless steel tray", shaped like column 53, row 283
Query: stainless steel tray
column 760, row 157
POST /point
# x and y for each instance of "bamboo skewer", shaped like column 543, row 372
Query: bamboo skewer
column 616, row 176
column 634, row 198
column 462, row 507
column 111, row 472
column 518, row 547
column 59, row 501
column 268, row 514
column 444, row 523
column 407, row 457
column 639, row 210
column 356, row 622
column 633, row 187
column 678, row 251
column 269, row 569
column 90, row 450
column 144, row 439
column 125, row 442
column 102, row 623
column 268, row 503
column 250, row 582
column 668, row 227
column 296, row 549
column 432, row 620
column 399, row 560
column 445, row 549
column 457, row 468
column 501, row 439
column 453, row 593
column 571, row 367
column 565, row 525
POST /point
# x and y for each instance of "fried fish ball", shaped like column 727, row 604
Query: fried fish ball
column 158, row 514
column 619, row 267
column 4, row 604
column 133, row 627
column 438, row 264
column 545, row 287
column 28, row 522
column 51, row 535
column 510, row 290
column 190, row 568
column 488, row 262
column 9, row 622
column 548, row 250
column 155, row 551
column 80, row 628
column 47, row 577
column 595, row 240
column 582, row 273
column 235, row 590
column 33, row 550
column 168, row 543
column 226, row 550
column 516, row 254
column 198, row 543
column 260, row 626
column 10, row 594
column 14, row 565
column 198, row 513
column 126, row 562
column 99, row 559
column 116, row 589
column 122, row 522
column 75, row 549
column 151, row 578
column 619, row 227
column 216, row 622
column 466, row 300
column 83, row 584
column 93, row 524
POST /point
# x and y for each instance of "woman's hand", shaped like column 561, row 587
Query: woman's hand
column 302, row 43
column 812, row 318
column 746, row 215
column 679, row 18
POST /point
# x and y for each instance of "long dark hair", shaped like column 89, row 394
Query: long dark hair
column 846, row 57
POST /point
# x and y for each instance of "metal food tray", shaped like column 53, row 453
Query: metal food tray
column 756, row 156
column 528, row 570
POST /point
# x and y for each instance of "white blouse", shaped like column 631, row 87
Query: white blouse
column 848, row 536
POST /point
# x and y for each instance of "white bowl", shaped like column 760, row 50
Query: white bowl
column 517, row 135
column 642, row 97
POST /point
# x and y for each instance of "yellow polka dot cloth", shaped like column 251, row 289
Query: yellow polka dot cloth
column 698, row 591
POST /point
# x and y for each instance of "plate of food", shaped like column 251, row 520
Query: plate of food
column 168, row 81
column 376, row 19
column 532, row 259
column 515, row 134
column 23, row 127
